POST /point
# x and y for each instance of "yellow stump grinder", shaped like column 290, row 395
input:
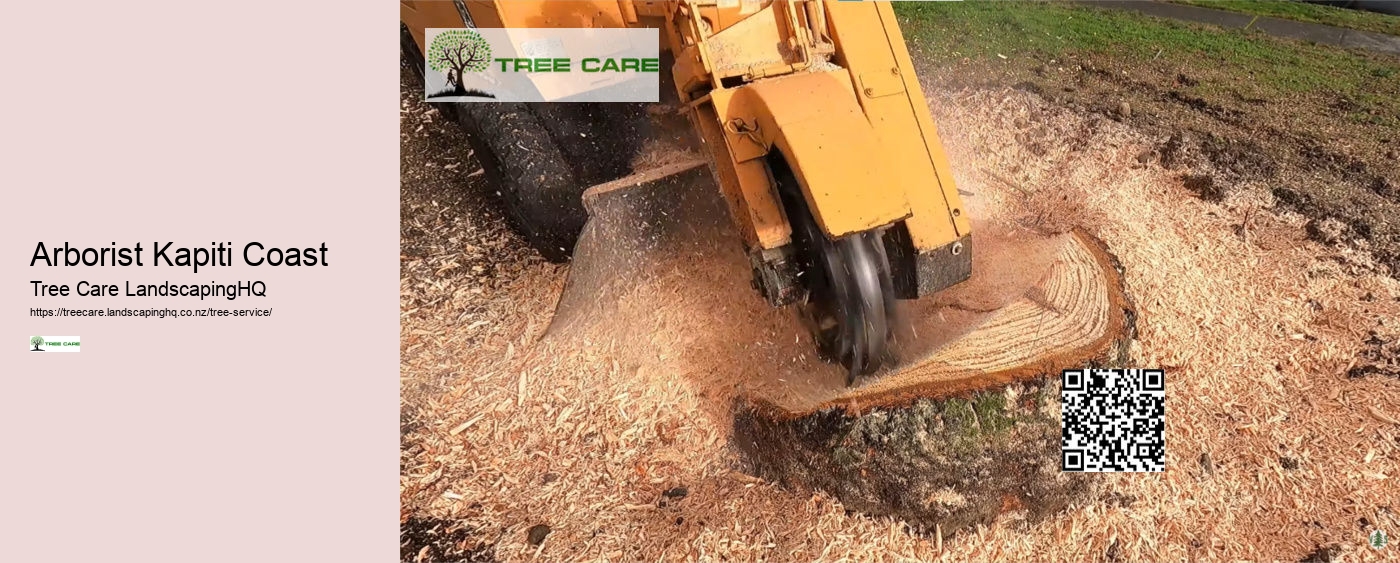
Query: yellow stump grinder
column 814, row 126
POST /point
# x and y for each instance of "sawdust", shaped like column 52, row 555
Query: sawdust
column 1256, row 328
column 655, row 153
column 665, row 259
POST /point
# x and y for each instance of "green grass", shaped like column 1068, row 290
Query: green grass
column 1250, row 61
column 1307, row 12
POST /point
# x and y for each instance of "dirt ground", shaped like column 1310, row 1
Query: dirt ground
column 1278, row 340
column 1328, row 157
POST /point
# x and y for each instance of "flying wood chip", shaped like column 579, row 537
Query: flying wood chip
column 962, row 426
column 1034, row 306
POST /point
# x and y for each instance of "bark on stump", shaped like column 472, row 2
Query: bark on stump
column 972, row 430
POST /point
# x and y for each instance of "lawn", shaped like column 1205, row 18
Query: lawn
column 1248, row 62
column 1307, row 12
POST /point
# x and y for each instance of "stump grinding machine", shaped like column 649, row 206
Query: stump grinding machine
column 814, row 127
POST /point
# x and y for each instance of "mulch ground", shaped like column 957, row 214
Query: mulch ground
column 1283, row 416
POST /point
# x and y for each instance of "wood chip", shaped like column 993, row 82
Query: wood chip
column 465, row 425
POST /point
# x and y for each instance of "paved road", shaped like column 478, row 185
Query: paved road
column 1315, row 32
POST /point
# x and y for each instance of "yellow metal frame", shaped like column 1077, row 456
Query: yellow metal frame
column 814, row 120
column 828, row 84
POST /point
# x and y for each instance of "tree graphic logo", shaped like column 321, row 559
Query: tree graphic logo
column 455, row 52
column 1377, row 539
column 36, row 341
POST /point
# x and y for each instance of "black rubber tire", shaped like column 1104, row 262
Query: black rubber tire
column 542, row 200
column 412, row 58
column 597, row 139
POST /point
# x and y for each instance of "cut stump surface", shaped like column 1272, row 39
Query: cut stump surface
column 963, row 426
column 969, row 427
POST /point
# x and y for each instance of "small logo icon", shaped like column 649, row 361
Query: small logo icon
column 455, row 52
column 54, row 344
column 541, row 64
column 1378, row 539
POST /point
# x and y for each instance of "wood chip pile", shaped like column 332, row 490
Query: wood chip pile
column 1280, row 440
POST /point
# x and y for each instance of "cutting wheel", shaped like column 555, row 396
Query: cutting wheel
column 850, row 301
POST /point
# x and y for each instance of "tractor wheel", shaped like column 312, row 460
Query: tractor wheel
column 411, row 58
column 543, row 202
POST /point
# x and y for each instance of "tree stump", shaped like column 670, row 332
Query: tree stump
column 962, row 427
column 968, row 429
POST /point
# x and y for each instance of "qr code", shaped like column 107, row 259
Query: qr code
column 1113, row 420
